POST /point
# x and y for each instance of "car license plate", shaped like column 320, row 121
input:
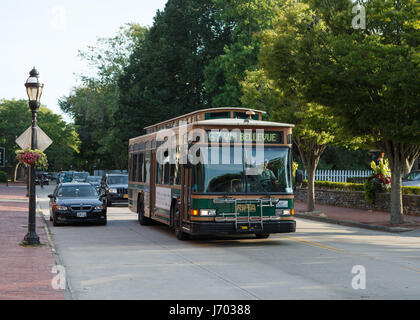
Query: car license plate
column 125, row 196
column 81, row 214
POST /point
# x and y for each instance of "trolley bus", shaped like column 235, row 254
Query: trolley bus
column 234, row 177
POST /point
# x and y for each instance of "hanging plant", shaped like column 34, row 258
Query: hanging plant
column 30, row 157
column 379, row 181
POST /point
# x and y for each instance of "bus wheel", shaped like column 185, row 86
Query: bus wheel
column 262, row 235
column 144, row 221
column 181, row 235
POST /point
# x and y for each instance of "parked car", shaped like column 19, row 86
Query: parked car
column 114, row 188
column 95, row 181
column 80, row 176
column 412, row 179
column 76, row 202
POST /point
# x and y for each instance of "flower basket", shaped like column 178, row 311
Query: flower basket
column 30, row 157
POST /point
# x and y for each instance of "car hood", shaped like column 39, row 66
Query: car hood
column 75, row 201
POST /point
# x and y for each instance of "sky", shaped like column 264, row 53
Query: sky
column 48, row 34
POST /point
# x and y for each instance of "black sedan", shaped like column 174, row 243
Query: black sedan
column 76, row 202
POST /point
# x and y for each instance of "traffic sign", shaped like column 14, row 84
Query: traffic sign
column 2, row 157
column 43, row 141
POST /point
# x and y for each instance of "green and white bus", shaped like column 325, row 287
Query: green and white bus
column 249, row 192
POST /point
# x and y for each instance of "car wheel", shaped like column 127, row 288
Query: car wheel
column 55, row 222
column 179, row 233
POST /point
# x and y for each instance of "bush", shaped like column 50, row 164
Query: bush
column 411, row 190
column 357, row 179
column 3, row 176
column 345, row 186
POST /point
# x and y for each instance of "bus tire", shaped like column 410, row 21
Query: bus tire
column 144, row 221
column 262, row 235
column 179, row 233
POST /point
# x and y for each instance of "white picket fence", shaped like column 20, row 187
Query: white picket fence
column 338, row 175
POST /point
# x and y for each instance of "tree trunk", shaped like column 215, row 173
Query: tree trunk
column 397, row 216
column 311, row 187
column 310, row 154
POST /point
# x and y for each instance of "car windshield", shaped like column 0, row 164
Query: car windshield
column 77, row 192
column 412, row 176
column 118, row 180
column 80, row 175
column 245, row 174
column 93, row 179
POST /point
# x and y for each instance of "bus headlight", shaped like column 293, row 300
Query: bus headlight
column 207, row 212
column 282, row 212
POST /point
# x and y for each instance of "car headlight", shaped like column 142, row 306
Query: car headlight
column 60, row 208
column 207, row 212
column 101, row 207
column 113, row 190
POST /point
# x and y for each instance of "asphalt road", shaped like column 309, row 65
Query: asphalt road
column 124, row 260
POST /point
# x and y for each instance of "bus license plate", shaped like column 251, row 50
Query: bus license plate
column 81, row 214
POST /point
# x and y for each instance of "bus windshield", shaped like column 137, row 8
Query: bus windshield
column 268, row 174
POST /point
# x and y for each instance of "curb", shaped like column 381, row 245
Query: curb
column 348, row 223
column 68, row 292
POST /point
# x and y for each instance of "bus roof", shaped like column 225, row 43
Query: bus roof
column 198, row 115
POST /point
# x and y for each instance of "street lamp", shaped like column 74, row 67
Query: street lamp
column 34, row 90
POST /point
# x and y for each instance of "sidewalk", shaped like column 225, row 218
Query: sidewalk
column 25, row 272
column 376, row 220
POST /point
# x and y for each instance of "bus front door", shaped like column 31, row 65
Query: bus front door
column 185, row 191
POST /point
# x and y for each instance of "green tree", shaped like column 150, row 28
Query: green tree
column 243, row 19
column 164, row 77
column 93, row 104
column 368, row 78
column 15, row 118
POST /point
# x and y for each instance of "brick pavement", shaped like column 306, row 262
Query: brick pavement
column 25, row 272
column 375, row 218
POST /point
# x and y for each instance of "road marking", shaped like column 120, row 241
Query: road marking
column 315, row 244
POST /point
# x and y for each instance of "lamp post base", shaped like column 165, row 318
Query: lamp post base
column 31, row 239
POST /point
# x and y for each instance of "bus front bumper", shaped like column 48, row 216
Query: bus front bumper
column 208, row 228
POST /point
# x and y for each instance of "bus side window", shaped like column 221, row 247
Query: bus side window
column 158, row 173
column 147, row 167
column 166, row 173
column 140, row 177
column 134, row 172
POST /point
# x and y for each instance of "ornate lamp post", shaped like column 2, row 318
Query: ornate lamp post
column 34, row 90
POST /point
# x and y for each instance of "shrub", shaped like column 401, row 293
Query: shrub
column 345, row 186
column 411, row 190
column 3, row 176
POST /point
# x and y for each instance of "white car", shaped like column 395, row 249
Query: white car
column 412, row 179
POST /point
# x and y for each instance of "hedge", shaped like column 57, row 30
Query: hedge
column 3, row 176
column 346, row 186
